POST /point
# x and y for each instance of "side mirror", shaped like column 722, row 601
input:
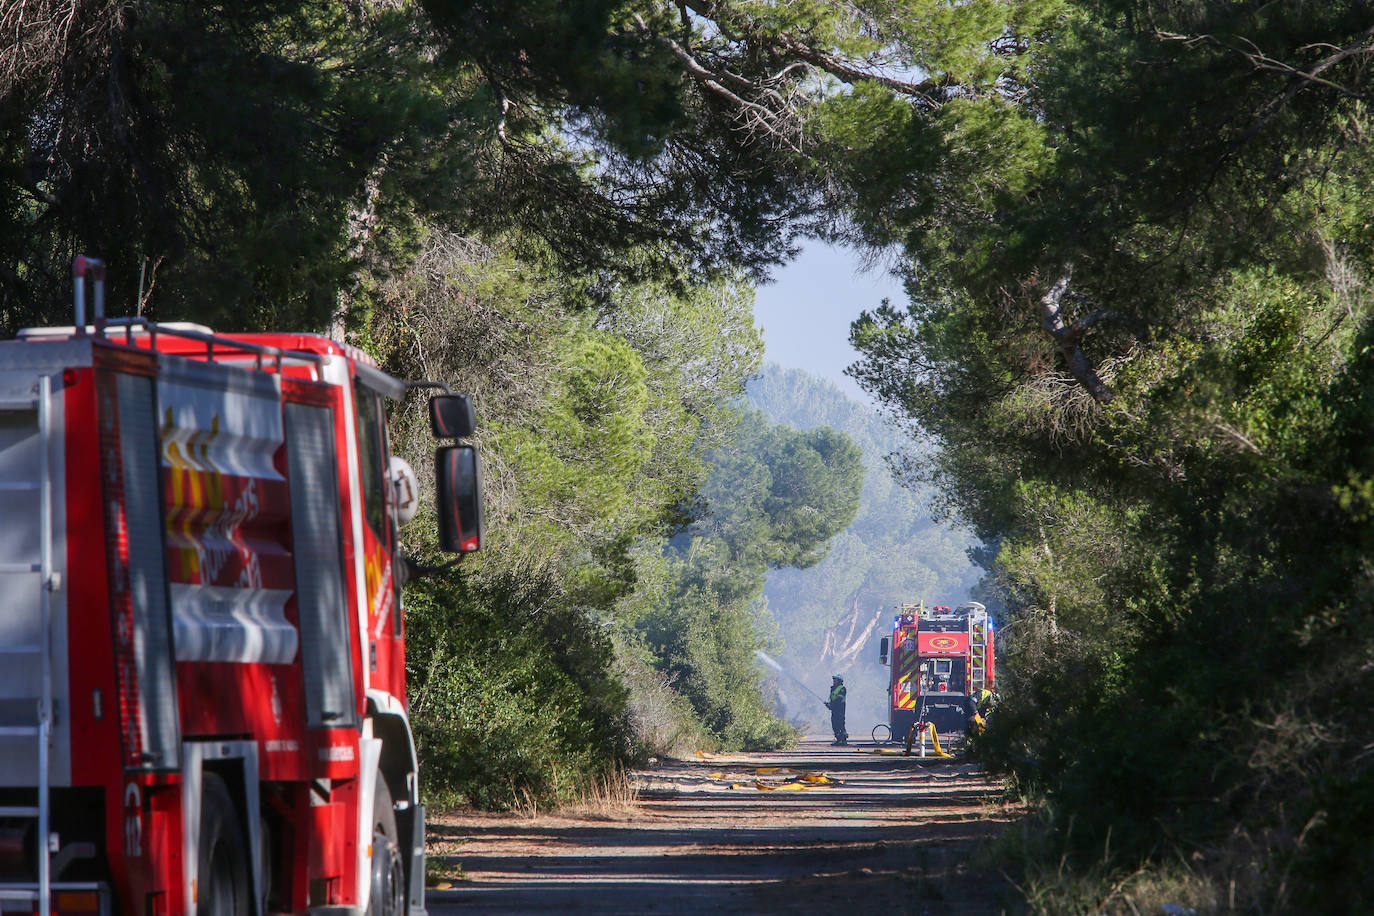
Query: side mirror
column 882, row 651
column 458, row 479
column 451, row 416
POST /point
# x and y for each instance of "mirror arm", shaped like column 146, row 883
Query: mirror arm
column 410, row 570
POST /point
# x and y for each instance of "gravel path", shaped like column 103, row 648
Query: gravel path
column 827, row 830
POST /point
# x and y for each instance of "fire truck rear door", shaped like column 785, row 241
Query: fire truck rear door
column 322, row 594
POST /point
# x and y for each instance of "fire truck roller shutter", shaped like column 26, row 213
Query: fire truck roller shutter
column 131, row 468
column 323, row 601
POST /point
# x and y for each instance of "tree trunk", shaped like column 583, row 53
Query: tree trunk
column 847, row 636
column 362, row 216
column 1068, row 338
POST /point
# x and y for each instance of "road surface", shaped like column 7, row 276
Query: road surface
column 832, row 830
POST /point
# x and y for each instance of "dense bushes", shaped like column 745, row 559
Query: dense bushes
column 510, row 707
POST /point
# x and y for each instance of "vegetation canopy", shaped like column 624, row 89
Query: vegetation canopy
column 1136, row 350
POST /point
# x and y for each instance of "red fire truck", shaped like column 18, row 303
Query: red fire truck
column 202, row 661
column 941, row 658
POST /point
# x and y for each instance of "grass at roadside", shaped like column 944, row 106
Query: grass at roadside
column 613, row 797
column 440, row 874
column 1055, row 881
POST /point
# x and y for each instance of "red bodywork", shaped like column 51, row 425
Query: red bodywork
column 277, row 658
column 940, row 657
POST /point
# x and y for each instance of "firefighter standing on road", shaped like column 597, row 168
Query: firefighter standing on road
column 836, row 707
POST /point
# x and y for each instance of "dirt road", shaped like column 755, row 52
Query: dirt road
column 832, row 830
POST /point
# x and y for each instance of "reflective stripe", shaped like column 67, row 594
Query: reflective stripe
column 219, row 624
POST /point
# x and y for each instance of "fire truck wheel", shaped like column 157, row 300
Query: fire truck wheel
column 388, row 896
column 222, row 885
column 265, row 861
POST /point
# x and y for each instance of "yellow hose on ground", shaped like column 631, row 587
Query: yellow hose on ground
column 935, row 740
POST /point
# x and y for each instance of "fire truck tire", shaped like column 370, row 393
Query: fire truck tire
column 222, row 887
column 265, row 861
column 388, row 896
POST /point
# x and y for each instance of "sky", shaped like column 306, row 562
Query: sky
column 806, row 311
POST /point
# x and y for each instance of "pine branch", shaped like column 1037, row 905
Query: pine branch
column 826, row 60
column 1068, row 337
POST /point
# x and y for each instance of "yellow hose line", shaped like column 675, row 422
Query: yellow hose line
column 935, row 740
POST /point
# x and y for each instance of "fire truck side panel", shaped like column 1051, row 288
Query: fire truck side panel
column 93, row 713
column 134, row 808
column 136, row 561
column 333, row 691
column 145, row 792
column 347, row 487
column 226, row 505
column 331, row 699
column 904, row 661
column 226, row 508
column 904, row 687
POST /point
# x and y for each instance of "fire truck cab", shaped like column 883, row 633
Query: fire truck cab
column 202, row 659
column 941, row 658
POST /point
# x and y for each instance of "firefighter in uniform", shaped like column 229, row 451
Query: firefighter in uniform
column 983, row 702
column 836, row 707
